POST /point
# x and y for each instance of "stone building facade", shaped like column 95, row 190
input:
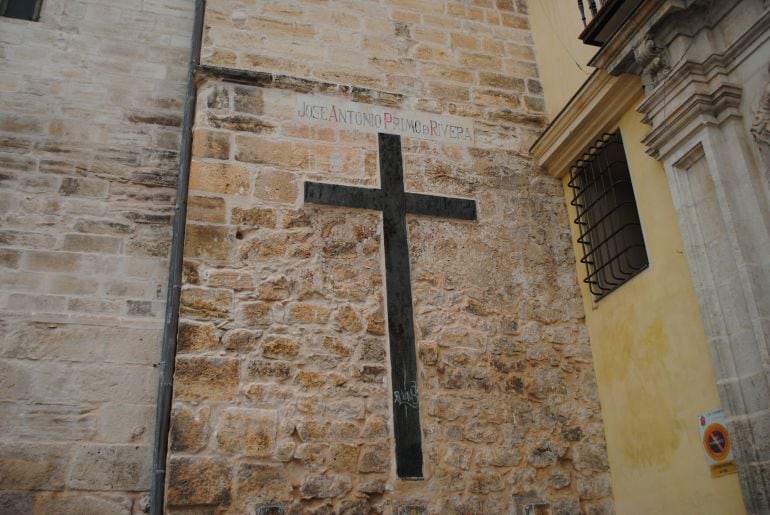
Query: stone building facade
column 91, row 100
column 705, row 133
column 281, row 391
column 687, row 82
column 282, row 396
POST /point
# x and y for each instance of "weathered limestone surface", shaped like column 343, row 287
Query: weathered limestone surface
column 90, row 106
column 281, row 394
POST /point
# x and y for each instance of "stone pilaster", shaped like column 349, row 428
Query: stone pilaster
column 710, row 143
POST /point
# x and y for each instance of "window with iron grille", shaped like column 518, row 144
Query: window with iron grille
column 21, row 9
column 609, row 229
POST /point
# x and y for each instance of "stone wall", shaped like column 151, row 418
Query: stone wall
column 281, row 391
column 90, row 106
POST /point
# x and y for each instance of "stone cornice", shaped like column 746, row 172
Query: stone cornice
column 698, row 93
column 642, row 46
column 298, row 84
column 595, row 109
column 699, row 108
column 715, row 64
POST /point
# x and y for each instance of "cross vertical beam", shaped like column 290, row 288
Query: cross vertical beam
column 395, row 203
column 403, row 358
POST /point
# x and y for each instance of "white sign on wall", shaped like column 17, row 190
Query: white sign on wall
column 372, row 118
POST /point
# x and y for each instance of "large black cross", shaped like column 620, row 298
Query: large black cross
column 395, row 203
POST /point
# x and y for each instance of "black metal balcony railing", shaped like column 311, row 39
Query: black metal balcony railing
column 606, row 17
column 593, row 6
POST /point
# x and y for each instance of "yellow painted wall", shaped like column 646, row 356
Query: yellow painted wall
column 653, row 365
column 560, row 55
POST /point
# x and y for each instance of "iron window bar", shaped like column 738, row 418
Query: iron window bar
column 609, row 229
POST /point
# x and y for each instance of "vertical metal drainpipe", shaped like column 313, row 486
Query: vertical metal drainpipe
column 171, row 323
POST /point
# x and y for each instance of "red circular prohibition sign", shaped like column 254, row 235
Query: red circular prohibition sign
column 716, row 441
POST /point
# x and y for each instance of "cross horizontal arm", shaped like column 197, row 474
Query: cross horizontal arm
column 342, row 195
column 446, row 207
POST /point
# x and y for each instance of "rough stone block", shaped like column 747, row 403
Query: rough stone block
column 247, row 432
column 43, row 421
column 208, row 241
column 261, row 370
column 189, row 428
column 92, row 243
column 193, row 337
column 309, row 379
column 206, row 378
column 374, row 458
column 375, row 427
column 108, row 382
column 9, row 258
column 205, row 304
column 303, row 313
column 237, row 280
column 336, row 346
column 33, row 466
column 312, row 455
column 259, row 150
column 312, row 430
column 111, row 467
column 241, row 340
column 16, row 502
column 199, row 481
column 284, row 450
column 325, row 486
column 372, row 350
column 224, row 178
column 590, row 457
column 353, row 409
column 458, row 456
column 127, row 423
column 486, row 483
column 254, row 314
column 52, row 341
column 375, row 324
column 348, row 320
column 372, row 485
column 217, row 97
column 84, row 187
column 206, row 209
column 72, row 285
column 276, row 186
column 498, row 457
column 266, row 481
column 343, row 457
column 248, row 100
column 211, row 144
column 82, row 504
column 239, row 122
column 280, row 348
column 254, row 217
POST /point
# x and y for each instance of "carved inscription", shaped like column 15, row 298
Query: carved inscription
column 371, row 118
